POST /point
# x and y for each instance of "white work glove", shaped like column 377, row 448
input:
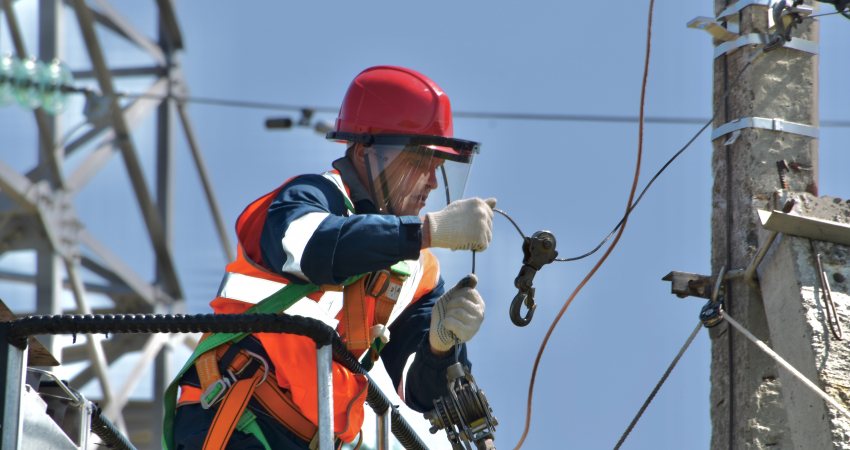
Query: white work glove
column 463, row 224
column 456, row 316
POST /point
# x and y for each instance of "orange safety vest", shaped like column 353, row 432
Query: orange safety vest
column 374, row 300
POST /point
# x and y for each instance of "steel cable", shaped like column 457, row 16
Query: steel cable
column 658, row 386
column 785, row 364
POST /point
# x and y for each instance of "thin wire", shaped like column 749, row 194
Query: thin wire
column 842, row 12
column 512, row 221
column 616, row 239
column 657, row 174
column 642, row 193
column 760, row 344
column 658, row 385
column 228, row 103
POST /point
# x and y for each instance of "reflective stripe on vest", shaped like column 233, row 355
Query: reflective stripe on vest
column 295, row 239
column 300, row 230
column 248, row 289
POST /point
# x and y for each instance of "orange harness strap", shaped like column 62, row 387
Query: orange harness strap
column 234, row 403
column 207, row 367
column 386, row 288
column 354, row 326
column 279, row 405
column 275, row 401
column 236, row 396
column 368, row 302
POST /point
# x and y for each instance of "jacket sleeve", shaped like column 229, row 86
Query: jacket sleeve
column 308, row 234
column 425, row 379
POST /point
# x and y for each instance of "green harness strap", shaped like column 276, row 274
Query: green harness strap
column 248, row 425
column 275, row 303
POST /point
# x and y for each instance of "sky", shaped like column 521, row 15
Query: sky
column 571, row 178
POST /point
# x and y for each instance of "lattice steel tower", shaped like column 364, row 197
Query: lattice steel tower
column 38, row 206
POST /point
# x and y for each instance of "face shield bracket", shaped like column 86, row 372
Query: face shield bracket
column 451, row 149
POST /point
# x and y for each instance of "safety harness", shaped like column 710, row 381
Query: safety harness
column 232, row 376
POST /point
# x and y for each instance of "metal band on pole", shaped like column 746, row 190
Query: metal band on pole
column 765, row 124
column 802, row 45
column 736, row 7
column 324, row 362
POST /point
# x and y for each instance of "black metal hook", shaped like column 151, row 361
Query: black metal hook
column 516, row 306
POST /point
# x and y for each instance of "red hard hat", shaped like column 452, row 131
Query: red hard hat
column 395, row 100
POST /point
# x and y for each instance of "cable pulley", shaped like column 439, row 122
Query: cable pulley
column 538, row 250
column 464, row 412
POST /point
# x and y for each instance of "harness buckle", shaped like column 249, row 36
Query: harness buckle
column 382, row 284
column 215, row 392
column 238, row 372
column 379, row 282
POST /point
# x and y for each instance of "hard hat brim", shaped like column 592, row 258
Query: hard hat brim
column 451, row 149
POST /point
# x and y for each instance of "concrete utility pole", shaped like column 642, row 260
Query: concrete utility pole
column 755, row 404
column 747, row 411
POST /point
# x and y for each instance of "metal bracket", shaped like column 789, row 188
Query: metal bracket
column 686, row 284
column 725, row 27
column 712, row 27
column 765, row 124
column 803, row 45
column 808, row 227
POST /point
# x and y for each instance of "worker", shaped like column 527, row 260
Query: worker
column 363, row 217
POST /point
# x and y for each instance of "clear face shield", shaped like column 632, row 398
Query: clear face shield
column 404, row 180
column 409, row 173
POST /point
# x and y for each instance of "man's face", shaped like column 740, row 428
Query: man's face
column 408, row 177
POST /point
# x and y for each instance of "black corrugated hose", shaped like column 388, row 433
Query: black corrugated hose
column 378, row 401
column 107, row 432
column 18, row 330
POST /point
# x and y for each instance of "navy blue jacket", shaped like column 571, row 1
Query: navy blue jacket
column 339, row 246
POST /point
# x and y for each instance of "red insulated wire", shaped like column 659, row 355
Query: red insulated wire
column 613, row 243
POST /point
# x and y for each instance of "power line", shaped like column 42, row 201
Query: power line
column 483, row 115
column 550, row 117
column 540, row 117
column 577, row 117
column 494, row 115
column 247, row 104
